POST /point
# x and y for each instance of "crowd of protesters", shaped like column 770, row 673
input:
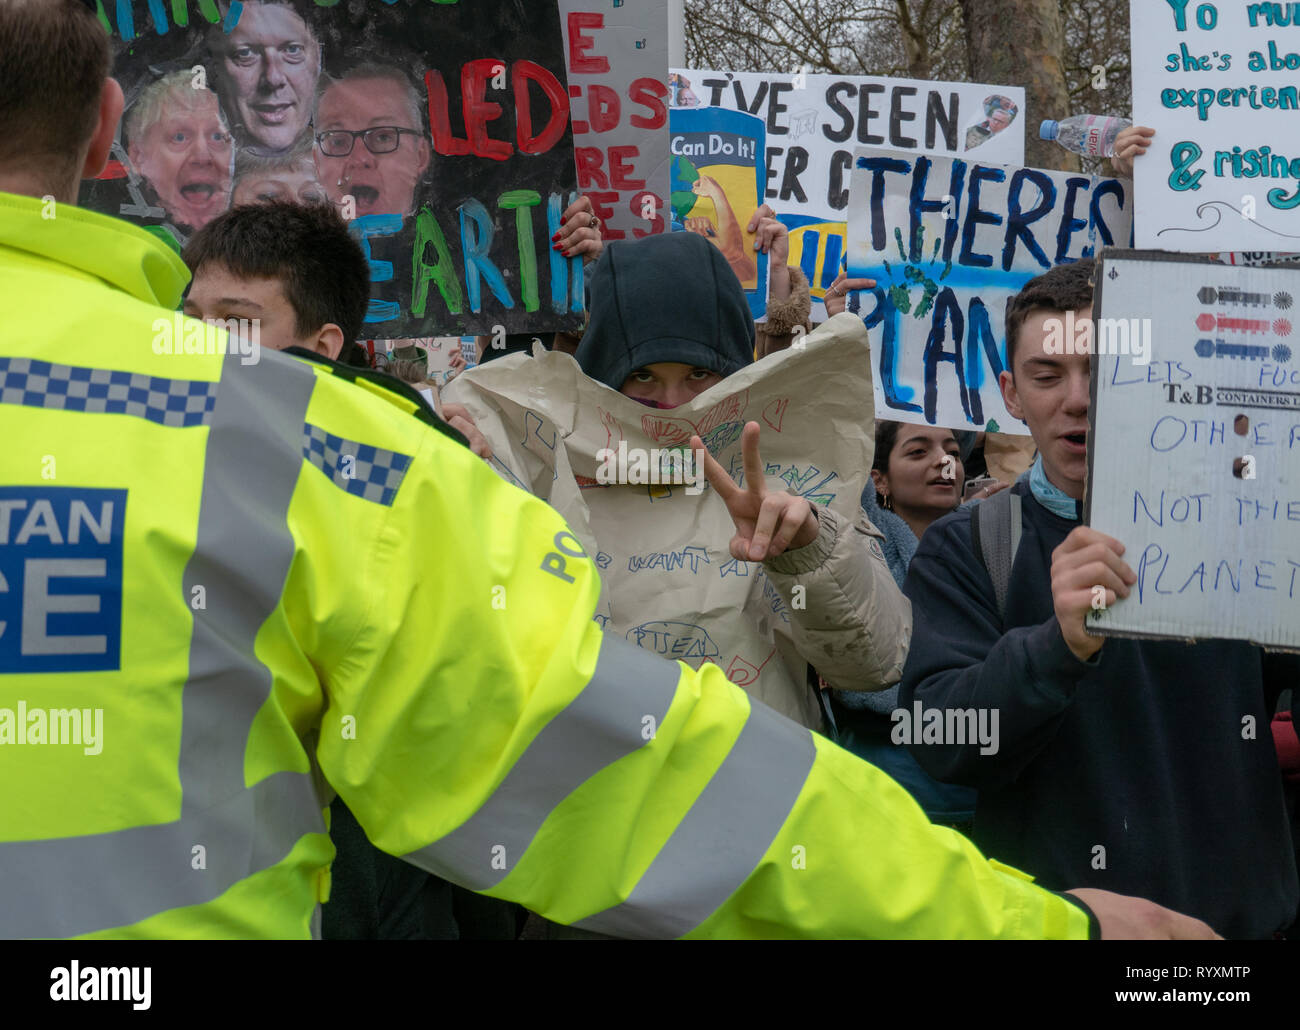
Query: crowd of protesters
column 1118, row 764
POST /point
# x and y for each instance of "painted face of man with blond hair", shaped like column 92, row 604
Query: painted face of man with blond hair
column 178, row 141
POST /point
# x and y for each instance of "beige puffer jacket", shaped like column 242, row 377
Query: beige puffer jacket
column 669, row 583
column 855, row 624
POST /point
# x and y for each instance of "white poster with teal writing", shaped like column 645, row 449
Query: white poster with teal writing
column 1220, row 84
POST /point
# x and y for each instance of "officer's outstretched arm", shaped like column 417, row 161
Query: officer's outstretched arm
column 501, row 740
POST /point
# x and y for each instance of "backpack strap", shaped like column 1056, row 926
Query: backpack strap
column 995, row 529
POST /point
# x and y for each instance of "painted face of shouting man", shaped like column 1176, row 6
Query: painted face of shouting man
column 370, row 143
column 178, row 142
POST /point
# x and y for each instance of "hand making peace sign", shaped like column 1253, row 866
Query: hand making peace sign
column 766, row 524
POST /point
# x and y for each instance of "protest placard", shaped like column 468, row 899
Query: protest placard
column 1218, row 83
column 618, row 62
column 814, row 123
column 948, row 242
column 438, row 354
column 441, row 131
column 1193, row 457
column 716, row 186
column 1256, row 257
column 668, row 580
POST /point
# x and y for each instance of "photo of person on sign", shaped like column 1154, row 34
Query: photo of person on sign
column 999, row 112
column 266, row 70
column 178, row 142
column 370, row 140
column 290, row 176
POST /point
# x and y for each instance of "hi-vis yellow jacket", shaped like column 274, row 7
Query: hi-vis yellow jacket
column 226, row 589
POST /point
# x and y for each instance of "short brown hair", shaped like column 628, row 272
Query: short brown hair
column 54, row 57
column 308, row 248
column 1063, row 288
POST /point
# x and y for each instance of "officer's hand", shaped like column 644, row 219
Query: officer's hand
column 1085, row 560
column 457, row 417
column 1136, row 919
column 766, row 524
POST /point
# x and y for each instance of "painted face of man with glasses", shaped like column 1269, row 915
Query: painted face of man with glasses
column 369, row 141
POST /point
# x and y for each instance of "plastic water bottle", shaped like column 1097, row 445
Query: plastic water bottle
column 1090, row 134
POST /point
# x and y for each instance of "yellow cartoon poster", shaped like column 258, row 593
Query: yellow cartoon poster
column 717, row 184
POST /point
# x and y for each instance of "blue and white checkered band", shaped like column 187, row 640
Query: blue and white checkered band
column 362, row 470
column 100, row 391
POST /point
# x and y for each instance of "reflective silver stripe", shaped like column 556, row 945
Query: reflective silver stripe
column 598, row 727
column 722, row 838
column 75, row 885
column 243, row 548
column 241, row 557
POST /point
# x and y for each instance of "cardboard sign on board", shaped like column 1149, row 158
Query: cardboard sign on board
column 1194, row 457
column 669, row 583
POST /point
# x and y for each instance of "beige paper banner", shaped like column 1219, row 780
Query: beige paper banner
column 669, row 583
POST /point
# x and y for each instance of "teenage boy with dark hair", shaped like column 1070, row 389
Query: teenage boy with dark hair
column 1121, row 763
column 294, row 267
column 298, row 271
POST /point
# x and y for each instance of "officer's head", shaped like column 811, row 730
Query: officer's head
column 295, row 268
column 58, row 108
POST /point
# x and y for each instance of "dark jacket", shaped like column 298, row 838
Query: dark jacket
column 374, row 896
column 1136, row 772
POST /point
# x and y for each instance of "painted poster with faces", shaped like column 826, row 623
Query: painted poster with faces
column 440, row 131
